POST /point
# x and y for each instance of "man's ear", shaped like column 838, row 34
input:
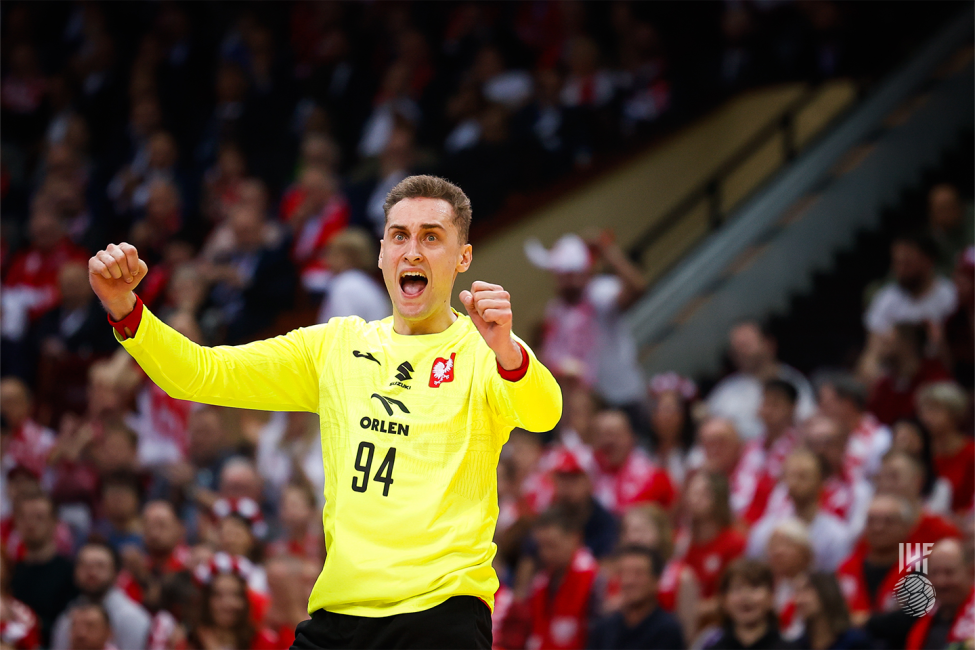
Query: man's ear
column 380, row 263
column 466, row 256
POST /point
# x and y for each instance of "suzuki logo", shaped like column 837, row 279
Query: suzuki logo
column 404, row 371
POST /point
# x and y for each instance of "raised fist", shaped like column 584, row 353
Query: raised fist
column 114, row 273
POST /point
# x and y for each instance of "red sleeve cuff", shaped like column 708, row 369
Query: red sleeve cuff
column 131, row 321
column 520, row 371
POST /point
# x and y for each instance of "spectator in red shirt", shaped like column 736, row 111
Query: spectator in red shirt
column 749, row 483
column 907, row 368
column 225, row 620
column 868, row 576
column 626, row 475
column 942, row 408
column 25, row 443
column 315, row 213
column 33, row 274
column 163, row 536
column 709, row 542
column 563, row 598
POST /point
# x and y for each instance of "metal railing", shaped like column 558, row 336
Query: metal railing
column 783, row 124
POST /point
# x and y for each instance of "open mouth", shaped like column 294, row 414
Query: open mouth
column 412, row 283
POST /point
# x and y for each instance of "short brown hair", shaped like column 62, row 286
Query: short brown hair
column 754, row 573
column 433, row 187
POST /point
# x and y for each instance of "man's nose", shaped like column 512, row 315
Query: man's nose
column 412, row 252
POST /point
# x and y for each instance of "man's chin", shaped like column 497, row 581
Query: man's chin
column 414, row 309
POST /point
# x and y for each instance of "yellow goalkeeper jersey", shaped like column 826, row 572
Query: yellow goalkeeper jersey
column 411, row 430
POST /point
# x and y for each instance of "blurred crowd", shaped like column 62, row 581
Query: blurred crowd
column 246, row 151
column 774, row 511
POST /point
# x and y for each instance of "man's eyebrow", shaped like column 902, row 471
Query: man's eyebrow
column 423, row 226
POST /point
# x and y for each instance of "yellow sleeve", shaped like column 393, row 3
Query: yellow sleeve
column 276, row 374
column 533, row 403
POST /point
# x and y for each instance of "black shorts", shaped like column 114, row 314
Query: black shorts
column 458, row 622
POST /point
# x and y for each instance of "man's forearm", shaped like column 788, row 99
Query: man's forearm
column 625, row 269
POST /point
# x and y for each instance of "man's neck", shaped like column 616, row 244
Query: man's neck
column 636, row 612
column 771, row 435
column 852, row 420
column 806, row 510
column 907, row 368
column 41, row 554
column 98, row 596
column 434, row 324
column 768, row 370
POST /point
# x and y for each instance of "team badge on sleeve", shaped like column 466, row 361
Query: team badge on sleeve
column 442, row 371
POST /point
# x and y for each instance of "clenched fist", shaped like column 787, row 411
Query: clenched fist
column 489, row 307
column 114, row 273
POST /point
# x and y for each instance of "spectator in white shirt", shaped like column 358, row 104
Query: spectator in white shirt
column 803, row 478
column 350, row 291
column 96, row 571
column 917, row 294
column 739, row 396
column 584, row 328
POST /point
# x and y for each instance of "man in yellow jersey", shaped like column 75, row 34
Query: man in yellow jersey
column 414, row 411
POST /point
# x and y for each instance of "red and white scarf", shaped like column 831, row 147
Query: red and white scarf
column 962, row 629
column 19, row 629
column 561, row 623
column 867, row 443
column 618, row 488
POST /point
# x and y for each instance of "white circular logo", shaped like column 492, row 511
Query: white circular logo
column 915, row 594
